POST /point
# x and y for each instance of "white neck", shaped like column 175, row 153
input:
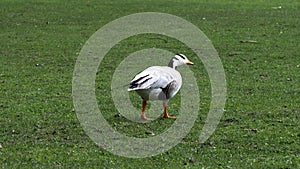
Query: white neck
column 174, row 62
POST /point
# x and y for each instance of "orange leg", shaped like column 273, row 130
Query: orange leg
column 143, row 115
column 166, row 114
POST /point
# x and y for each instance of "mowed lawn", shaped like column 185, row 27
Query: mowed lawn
column 41, row 40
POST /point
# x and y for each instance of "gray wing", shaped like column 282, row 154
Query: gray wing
column 151, row 78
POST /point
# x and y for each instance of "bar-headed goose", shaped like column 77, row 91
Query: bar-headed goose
column 159, row 83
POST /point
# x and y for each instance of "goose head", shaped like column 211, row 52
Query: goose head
column 178, row 60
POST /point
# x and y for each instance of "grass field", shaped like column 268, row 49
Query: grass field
column 40, row 42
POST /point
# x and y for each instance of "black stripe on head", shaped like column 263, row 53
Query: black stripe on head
column 180, row 55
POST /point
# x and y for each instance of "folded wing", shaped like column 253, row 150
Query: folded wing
column 151, row 78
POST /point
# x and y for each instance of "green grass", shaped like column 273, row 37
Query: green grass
column 40, row 42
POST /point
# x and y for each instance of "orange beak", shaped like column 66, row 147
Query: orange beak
column 189, row 63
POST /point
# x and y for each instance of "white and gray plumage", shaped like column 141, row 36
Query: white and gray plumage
column 159, row 83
